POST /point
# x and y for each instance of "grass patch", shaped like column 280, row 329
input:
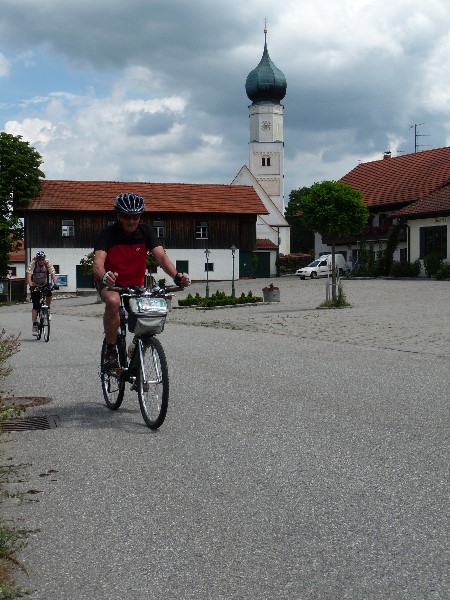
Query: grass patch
column 11, row 538
column 339, row 302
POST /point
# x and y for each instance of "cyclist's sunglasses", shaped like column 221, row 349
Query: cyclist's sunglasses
column 130, row 217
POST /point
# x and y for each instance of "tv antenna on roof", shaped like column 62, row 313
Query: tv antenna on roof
column 418, row 135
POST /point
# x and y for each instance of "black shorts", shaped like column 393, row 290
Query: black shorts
column 36, row 297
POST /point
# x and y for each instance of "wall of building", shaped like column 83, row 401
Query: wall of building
column 414, row 234
column 66, row 259
column 20, row 269
column 222, row 261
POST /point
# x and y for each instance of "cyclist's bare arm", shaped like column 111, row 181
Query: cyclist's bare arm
column 168, row 267
column 98, row 265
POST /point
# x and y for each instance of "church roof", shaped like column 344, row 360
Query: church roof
column 158, row 197
column 266, row 84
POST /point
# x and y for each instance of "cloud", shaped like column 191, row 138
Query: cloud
column 155, row 90
column 4, row 66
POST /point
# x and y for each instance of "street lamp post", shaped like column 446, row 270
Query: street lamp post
column 207, row 253
column 9, row 285
column 233, row 291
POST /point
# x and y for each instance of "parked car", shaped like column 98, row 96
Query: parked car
column 321, row 267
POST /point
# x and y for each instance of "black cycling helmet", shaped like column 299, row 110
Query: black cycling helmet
column 129, row 204
column 40, row 254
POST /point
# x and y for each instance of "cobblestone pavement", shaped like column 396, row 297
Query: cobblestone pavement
column 403, row 315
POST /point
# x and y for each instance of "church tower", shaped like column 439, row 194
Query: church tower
column 266, row 87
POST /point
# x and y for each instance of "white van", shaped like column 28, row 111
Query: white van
column 322, row 267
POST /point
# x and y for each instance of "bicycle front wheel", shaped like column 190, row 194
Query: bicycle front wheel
column 113, row 385
column 45, row 324
column 153, row 382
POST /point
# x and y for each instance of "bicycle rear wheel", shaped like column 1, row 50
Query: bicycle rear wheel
column 113, row 385
column 45, row 324
column 153, row 382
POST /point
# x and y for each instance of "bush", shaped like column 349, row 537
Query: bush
column 290, row 263
column 339, row 302
column 406, row 269
column 368, row 261
column 432, row 263
column 443, row 271
column 219, row 298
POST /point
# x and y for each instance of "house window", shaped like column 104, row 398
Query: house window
column 111, row 223
column 160, row 229
column 68, row 228
column 182, row 266
column 265, row 161
column 56, row 267
column 433, row 240
column 209, row 266
column 12, row 271
column 201, row 230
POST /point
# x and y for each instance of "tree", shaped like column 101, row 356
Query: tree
column 19, row 184
column 302, row 237
column 333, row 209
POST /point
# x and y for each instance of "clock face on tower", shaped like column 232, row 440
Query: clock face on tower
column 265, row 125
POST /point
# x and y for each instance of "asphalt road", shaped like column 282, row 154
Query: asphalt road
column 304, row 455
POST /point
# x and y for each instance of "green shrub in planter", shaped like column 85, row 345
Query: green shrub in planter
column 219, row 298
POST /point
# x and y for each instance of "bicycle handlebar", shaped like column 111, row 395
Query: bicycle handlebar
column 140, row 291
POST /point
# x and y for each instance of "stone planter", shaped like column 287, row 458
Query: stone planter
column 271, row 295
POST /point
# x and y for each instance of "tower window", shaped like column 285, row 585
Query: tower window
column 265, row 161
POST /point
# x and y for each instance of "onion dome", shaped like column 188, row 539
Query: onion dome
column 266, row 84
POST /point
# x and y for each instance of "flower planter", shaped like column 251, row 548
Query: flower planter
column 271, row 295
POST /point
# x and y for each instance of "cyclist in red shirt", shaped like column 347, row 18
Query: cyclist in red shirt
column 120, row 259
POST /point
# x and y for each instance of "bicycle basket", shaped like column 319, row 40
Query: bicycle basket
column 146, row 315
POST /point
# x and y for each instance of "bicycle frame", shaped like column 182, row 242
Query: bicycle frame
column 43, row 314
column 146, row 369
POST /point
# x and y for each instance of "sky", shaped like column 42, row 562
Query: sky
column 154, row 90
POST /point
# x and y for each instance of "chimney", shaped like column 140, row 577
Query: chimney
column 386, row 154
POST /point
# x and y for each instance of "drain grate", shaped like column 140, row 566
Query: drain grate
column 31, row 423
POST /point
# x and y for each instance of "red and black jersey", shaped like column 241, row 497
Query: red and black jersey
column 127, row 254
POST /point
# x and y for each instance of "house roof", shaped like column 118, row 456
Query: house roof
column 159, row 197
column 403, row 179
column 437, row 203
column 18, row 255
column 265, row 244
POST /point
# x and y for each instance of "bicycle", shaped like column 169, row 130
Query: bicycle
column 144, row 364
column 43, row 314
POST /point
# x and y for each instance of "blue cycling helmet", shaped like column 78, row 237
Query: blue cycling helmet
column 129, row 204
